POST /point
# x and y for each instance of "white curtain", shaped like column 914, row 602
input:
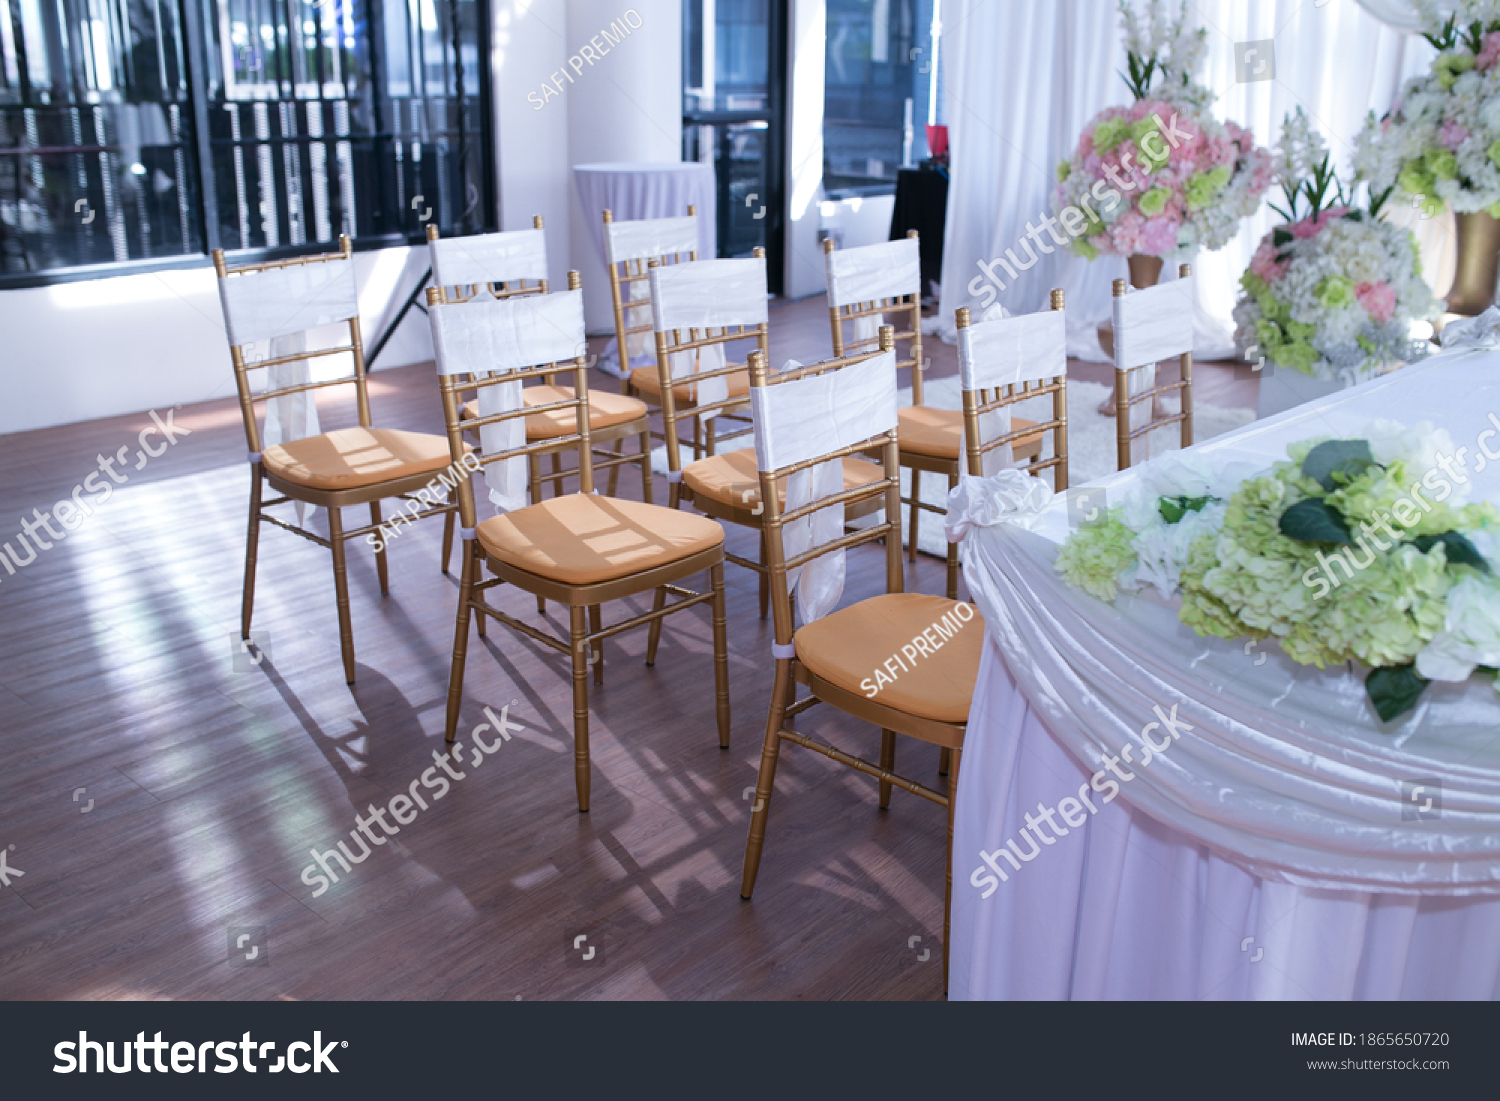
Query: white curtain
column 1026, row 78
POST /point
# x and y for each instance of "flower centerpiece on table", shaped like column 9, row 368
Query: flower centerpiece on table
column 1351, row 550
column 1162, row 174
column 1440, row 145
column 1334, row 291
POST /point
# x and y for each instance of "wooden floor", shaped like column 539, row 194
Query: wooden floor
column 156, row 796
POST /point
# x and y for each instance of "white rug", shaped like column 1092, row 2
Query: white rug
column 1091, row 444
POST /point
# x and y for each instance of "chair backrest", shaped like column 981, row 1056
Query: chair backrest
column 282, row 298
column 1008, row 360
column 809, row 415
column 873, row 285
column 1150, row 325
column 484, row 341
column 629, row 247
column 507, row 263
column 716, row 302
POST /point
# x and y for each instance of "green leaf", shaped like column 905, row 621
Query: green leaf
column 1315, row 521
column 1347, row 457
column 1394, row 690
column 1281, row 236
column 1173, row 509
column 1460, row 551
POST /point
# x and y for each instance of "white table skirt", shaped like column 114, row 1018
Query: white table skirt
column 1125, row 907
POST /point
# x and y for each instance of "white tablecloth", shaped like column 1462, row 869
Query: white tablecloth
column 649, row 189
column 1265, row 854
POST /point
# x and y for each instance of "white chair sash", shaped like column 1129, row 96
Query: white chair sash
column 487, row 336
column 650, row 238
column 702, row 295
column 887, row 270
column 1002, row 350
column 800, row 420
column 1154, row 323
column 489, row 258
column 262, row 305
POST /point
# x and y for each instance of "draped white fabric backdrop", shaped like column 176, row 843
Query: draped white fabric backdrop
column 1026, row 78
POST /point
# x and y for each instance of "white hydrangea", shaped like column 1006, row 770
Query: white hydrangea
column 1471, row 628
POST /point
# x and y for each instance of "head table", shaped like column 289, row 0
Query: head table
column 1283, row 843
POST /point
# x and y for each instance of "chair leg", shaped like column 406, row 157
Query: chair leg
column 765, row 578
column 647, row 489
column 467, row 562
column 945, row 761
column 252, row 544
column 580, row 707
column 916, row 513
column 948, row 887
column 341, row 590
column 887, row 762
column 721, row 655
column 952, row 551
column 653, row 634
column 614, row 471
column 381, row 569
column 769, row 751
column 598, row 659
column 449, row 523
column 535, row 469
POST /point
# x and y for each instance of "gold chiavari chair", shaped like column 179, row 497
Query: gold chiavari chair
column 350, row 466
column 866, row 285
column 836, row 656
column 581, row 549
column 631, row 249
column 515, row 263
column 1151, row 324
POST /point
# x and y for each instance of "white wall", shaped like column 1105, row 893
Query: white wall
column 803, row 274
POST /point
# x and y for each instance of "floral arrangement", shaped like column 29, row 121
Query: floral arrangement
column 1351, row 550
column 1441, row 144
column 1333, row 292
column 1186, row 179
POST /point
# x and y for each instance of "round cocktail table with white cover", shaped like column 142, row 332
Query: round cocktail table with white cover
column 648, row 189
column 1265, row 853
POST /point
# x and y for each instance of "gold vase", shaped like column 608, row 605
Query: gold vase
column 1478, row 254
column 1145, row 271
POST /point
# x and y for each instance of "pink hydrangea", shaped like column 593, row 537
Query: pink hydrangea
column 1451, row 134
column 1378, row 299
column 1159, row 235
column 1264, row 264
column 1486, row 58
column 1127, row 234
column 1310, row 227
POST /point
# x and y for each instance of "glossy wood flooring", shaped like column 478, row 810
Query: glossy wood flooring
column 159, row 798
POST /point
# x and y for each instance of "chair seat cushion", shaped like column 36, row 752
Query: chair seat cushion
column 939, row 433
column 605, row 411
column 932, row 678
column 354, row 457
column 646, row 381
column 584, row 538
column 734, row 479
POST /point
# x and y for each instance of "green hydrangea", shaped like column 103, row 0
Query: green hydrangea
column 1442, row 164
column 1202, row 188
column 1296, row 355
column 1153, row 202
column 1335, row 292
column 1448, row 67
column 1064, row 170
column 1095, row 554
column 1084, row 249
column 1110, row 133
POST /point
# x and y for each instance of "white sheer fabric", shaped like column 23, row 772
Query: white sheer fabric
column 489, row 258
column 1068, row 57
column 800, row 420
column 886, row 270
column 1008, row 351
column 486, row 336
column 707, row 294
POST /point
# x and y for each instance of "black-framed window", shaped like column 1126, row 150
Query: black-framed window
column 137, row 133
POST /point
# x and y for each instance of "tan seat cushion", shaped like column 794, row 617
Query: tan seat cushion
column 846, row 648
column 734, row 479
column 646, row 380
column 939, row 433
column 605, row 411
column 353, row 457
column 584, row 538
